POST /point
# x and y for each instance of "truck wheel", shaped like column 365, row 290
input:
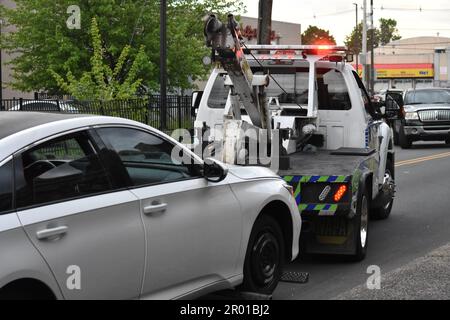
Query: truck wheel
column 404, row 141
column 396, row 138
column 383, row 212
column 264, row 258
column 361, row 226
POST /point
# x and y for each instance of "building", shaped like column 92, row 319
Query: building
column 413, row 63
column 283, row 32
column 7, row 91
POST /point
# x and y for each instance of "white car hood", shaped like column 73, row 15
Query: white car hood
column 249, row 173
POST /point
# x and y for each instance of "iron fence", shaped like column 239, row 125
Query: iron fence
column 179, row 111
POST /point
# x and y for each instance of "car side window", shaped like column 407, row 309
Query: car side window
column 147, row 158
column 61, row 169
column 6, row 187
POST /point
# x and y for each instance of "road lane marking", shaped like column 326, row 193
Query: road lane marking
column 423, row 159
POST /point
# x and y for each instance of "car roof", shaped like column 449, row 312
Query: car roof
column 19, row 129
column 12, row 122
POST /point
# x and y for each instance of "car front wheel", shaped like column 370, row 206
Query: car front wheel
column 265, row 257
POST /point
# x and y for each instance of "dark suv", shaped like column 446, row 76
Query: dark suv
column 426, row 116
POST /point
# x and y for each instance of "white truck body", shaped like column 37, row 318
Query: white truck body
column 339, row 150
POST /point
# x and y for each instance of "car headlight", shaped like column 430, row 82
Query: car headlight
column 411, row 116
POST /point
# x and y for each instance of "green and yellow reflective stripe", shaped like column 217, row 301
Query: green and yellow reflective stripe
column 319, row 207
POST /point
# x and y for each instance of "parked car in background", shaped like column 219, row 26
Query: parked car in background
column 426, row 116
column 98, row 208
column 44, row 106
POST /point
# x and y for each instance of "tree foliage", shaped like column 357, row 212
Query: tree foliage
column 103, row 82
column 386, row 33
column 316, row 35
column 44, row 44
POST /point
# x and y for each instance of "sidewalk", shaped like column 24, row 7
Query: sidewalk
column 424, row 278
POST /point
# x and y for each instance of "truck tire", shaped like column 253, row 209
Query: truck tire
column 396, row 137
column 264, row 258
column 404, row 141
column 383, row 212
column 361, row 226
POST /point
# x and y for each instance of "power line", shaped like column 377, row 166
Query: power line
column 337, row 13
column 420, row 9
column 413, row 44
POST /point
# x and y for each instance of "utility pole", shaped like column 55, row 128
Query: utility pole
column 364, row 45
column 265, row 21
column 372, row 51
column 163, row 64
column 1, row 69
column 356, row 30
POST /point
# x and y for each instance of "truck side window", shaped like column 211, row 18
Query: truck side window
column 219, row 93
column 365, row 96
column 333, row 91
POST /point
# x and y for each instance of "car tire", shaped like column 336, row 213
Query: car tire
column 404, row 141
column 264, row 258
column 361, row 226
column 383, row 212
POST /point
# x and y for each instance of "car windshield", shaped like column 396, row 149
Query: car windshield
column 428, row 97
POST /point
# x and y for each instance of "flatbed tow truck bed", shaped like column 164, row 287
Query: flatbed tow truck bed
column 316, row 178
column 343, row 161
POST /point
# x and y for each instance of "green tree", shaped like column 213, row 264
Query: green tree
column 316, row 35
column 43, row 42
column 102, row 82
column 388, row 31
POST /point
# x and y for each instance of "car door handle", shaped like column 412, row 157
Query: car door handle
column 155, row 208
column 48, row 233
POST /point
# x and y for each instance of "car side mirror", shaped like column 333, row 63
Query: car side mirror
column 214, row 171
column 196, row 99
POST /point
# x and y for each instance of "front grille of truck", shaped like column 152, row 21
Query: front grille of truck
column 434, row 115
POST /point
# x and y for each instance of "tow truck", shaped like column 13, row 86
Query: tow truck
column 330, row 141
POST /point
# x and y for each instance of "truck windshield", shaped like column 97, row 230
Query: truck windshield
column 331, row 88
column 428, row 97
column 294, row 86
column 219, row 93
column 291, row 88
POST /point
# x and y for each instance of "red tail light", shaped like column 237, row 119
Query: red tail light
column 340, row 193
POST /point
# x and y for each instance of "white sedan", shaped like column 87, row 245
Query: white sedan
column 98, row 208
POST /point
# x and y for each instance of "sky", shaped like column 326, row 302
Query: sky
column 338, row 16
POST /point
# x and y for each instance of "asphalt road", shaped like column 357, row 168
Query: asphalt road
column 419, row 223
